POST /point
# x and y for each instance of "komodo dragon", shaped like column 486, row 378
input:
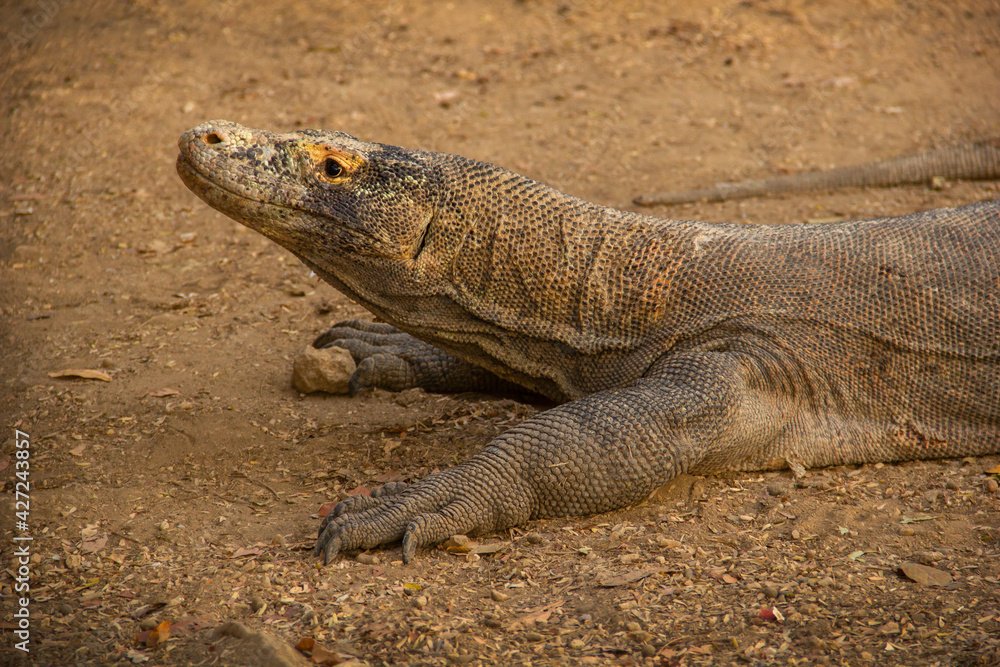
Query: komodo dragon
column 970, row 162
column 672, row 346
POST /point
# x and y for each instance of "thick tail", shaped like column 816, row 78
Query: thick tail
column 969, row 162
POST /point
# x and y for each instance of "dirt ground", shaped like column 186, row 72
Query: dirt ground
column 184, row 492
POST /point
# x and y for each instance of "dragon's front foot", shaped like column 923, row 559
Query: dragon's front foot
column 461, row 500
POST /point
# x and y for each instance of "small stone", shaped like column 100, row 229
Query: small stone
column 534, row 538
column 907, row 531
column 498, row 596
column 492, row 622
column 924, row 575
column 257, row 603
column 148, row 623
column 534, row 636
column 795, row 534
column 928, row 557
column 328, row 369
column 991, row 485
column 640, row 637
column 366, row 559
column 932, row 495
column 826, row 582
column 64, row 609
column 953, row 485
column 938, row 183
column 420, row 601
column 777, row 489
column 647, row 650
column 576, row 644
column 770, row 590
column 632, row 626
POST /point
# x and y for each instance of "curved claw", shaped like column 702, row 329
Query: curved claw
column 468, row 498
column 330, row 549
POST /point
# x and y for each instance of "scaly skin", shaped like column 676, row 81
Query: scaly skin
column 672, row 346
column 968, row 162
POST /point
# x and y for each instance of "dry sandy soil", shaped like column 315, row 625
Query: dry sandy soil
column 185, row 491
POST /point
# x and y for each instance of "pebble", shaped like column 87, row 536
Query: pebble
column 953, row 485
column 64, row 609
column 534, row 636
column 498, row 596
column 148, row 623
column 420, row 601
column 770, row 591
column 647, row 650
column 367, row 559
column 576, row 644
column 328, row 370
column 991, row 485
column 534, row 538
column 928, row 557
column 256, row 603
column 826, row 582
column 777, row 488
column 924, row 575
column 907, row 531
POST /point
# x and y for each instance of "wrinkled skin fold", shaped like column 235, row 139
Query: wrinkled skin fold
column 671, row 346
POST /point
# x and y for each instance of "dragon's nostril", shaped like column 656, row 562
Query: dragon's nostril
column 212, row 138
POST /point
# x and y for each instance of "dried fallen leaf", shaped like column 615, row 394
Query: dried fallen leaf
column 459, row 544
column 771, row 614
column 485, row 549
column 166, row 391
column 82, row 373
column 854, row 555
column 630, row 577
column 239, row 553
column 536, row 615
column 360, row 491
column 136, row 657
column 920, row 517
column 924, row 574
column 159, row 635
column 995, row 470
column 93, row 546
column 147, row 609
column 78, row 451
column 326, row 508
column 319, row 655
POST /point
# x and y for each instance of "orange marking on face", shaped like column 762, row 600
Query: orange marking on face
column 350, row 162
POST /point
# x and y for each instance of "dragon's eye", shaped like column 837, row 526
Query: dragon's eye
column 333, row 168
